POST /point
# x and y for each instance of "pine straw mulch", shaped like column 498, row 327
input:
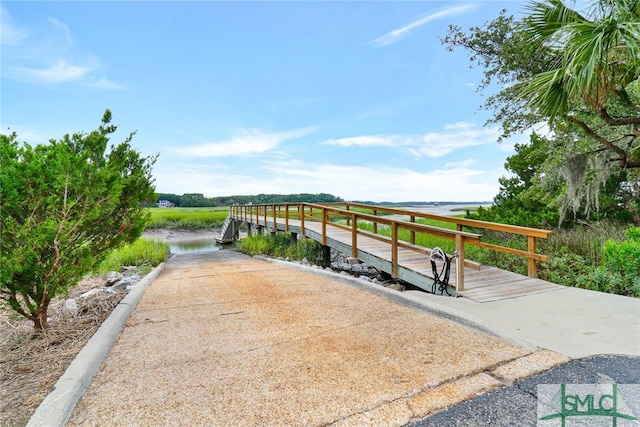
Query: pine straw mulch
column 30, row 363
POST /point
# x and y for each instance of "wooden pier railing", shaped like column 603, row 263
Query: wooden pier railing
column 346, row 216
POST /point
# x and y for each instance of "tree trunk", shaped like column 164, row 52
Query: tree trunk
column 40, row 320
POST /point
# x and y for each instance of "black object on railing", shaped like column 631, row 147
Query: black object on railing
column 440, row 275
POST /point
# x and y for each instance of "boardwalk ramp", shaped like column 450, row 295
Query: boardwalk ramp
column 340, row 228
column 229, row 230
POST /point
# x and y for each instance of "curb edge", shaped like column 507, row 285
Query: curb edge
column 56, row 409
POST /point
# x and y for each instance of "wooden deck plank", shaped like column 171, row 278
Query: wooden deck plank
column 487, row 284
column 501, row 296
column 506, row 289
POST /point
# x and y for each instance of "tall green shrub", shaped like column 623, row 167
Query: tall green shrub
column 65, row 204
column 624, row 258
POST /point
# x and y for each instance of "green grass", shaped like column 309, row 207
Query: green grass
column 280, row 246
column 142, row 253
column 187, row 218
column 421, row 239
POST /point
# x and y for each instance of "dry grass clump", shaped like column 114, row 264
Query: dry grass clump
column 31, row 363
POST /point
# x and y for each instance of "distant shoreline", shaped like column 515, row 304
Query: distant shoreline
column 449, row 209
column 181, row 235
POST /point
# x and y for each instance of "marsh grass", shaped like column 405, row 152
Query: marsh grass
column 187, row 218
column 426, row 240
column 142, row 253
column 280, row 246
column 586, row 241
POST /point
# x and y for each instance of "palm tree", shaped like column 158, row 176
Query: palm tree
column 592, row 79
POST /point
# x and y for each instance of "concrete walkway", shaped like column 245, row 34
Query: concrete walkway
column 225, row 339
column 571, row 321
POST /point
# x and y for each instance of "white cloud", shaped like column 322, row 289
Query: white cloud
column 351, row 182
column 64, row 29
column 432, row 144
column 47, row 56
column 366, row 141
column 383, row 183
column 459, row 125
column 248, row 142
column 104, row 83
column 438, row 144
column 399, row 33
column 10, row 34
column 461, row 164
column 60, row 72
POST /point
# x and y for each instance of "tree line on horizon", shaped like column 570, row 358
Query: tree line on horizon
column 197, row 200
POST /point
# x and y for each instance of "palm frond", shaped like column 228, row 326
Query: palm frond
column 546, row 93
column 596, row 55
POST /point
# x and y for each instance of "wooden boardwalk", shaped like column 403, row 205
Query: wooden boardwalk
column 482, row 283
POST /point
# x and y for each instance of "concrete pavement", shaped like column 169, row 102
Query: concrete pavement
column 225, row 339
column 571, row 321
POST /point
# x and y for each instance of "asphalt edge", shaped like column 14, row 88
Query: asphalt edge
column 56, row 409
column 409, row 300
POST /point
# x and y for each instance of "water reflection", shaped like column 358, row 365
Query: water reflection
column 189, row 246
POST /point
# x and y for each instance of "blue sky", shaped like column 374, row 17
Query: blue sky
column 357, row 99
